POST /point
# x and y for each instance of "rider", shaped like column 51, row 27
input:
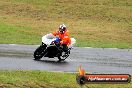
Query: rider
column 64, row 36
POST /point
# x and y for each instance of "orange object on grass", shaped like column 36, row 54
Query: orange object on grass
column 81, row 71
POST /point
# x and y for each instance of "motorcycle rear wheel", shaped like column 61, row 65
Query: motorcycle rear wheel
column 63, row 56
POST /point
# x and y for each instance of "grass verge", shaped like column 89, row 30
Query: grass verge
column 94, row 23
column 43, row 79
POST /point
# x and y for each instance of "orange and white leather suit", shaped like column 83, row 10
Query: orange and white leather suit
column 65, row 37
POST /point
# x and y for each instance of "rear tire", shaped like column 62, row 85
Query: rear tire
column 38, row 54
column 63, row 56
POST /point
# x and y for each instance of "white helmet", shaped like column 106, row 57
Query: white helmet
column 62, row 28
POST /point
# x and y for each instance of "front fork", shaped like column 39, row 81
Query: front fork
column 43, row 44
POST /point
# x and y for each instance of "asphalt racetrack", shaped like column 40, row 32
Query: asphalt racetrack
column 93, row 60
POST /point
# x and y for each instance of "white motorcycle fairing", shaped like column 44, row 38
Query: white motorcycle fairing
column 48, row 38
column 50, row 49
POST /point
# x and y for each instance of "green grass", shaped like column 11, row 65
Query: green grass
column 38, row 79
column 94, row 23
column 14, row 34
column 103, row 44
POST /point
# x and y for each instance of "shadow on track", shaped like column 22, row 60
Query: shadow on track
column 53, row 62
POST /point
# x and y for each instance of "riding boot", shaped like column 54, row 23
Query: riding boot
column 65, row 48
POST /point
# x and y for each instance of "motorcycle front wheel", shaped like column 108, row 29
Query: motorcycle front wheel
column 38, row 54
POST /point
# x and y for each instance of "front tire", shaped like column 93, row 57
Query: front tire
column 38, row 54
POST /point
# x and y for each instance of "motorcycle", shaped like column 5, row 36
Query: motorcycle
column 51, row 48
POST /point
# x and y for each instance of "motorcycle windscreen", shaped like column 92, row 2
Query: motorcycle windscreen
column 47, row 39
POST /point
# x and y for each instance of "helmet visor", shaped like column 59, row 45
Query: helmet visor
column 62, row 30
